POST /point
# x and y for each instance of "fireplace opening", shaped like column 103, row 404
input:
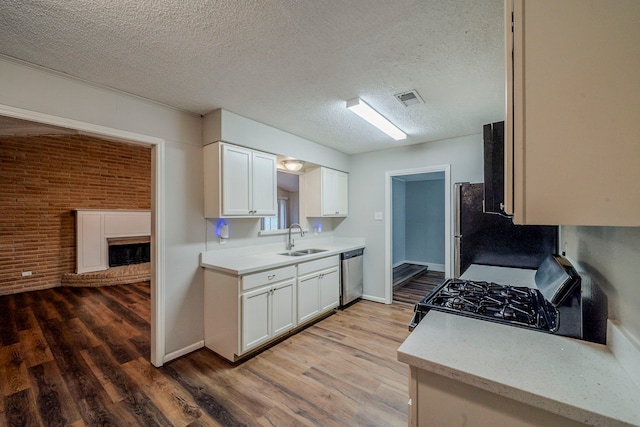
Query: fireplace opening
column 130, row 253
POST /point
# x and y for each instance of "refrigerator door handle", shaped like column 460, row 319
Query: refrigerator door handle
column 456, row 257
column 458, row 194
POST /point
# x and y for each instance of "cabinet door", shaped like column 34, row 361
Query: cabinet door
column 341, row 191
column 264, row 184
column 308, row 295
column 282, row 307
column 328, row 192
column 329, row 289
column 334, row 192
column 255, row 318
column 236, row 180
column 575, row 112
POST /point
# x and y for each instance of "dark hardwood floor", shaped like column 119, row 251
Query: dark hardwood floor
column 414, row 288
column 80, row 357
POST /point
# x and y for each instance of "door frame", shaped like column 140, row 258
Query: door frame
column 157, row 206
column 448, row 229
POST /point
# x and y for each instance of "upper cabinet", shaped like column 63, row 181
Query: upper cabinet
column 572, row 136
column 238, row 182
column 326, row 193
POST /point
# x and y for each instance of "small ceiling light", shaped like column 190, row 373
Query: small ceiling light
column 293, row 165
column 365, row 111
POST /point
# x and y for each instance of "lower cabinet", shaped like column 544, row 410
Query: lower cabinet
column 243, row 313
column 266, row 313
column 318, row 287
column 436, row 400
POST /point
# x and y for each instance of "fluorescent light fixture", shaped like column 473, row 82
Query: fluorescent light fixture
column 365, row 111
column 293, row 165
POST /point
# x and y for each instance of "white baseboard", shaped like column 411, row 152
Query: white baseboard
column 185, row 350
column 436, row 267
column 374, row 299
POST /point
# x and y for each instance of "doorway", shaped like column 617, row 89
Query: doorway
column 157, row 204
column 418, row 233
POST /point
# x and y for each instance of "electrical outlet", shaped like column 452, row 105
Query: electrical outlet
column 26, row 273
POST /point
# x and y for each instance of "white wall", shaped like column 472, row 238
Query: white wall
column 223, row 125
column 37, row 90
column 611, row 256
column 367, row 192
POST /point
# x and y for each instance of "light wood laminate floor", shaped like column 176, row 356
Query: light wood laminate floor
column 79, row 357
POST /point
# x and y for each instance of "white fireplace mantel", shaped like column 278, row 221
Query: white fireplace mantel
column 95, row 227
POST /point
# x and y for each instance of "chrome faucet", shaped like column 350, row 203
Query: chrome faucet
column 290, row 243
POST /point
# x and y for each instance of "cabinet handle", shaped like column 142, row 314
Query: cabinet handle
column 271, row 276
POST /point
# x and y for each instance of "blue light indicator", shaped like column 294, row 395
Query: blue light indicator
column 221, row 223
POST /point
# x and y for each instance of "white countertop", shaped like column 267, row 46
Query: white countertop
column 245, row 260
column 579, row 380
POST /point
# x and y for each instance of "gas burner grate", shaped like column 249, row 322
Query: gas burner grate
column 514, row 305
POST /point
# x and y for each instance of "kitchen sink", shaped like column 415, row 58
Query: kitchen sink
column 302, row 252
column 310, row 251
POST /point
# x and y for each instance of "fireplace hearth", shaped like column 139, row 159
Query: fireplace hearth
column 112, row 247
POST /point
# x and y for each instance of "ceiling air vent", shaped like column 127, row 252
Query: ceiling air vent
column 409, row 98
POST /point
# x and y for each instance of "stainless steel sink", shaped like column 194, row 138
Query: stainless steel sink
column 310, row 251
column 302, row 252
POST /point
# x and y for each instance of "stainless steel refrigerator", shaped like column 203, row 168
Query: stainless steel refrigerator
column 493, row 239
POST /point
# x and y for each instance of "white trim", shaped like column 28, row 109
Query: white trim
column 158, row 178
column 374, row 299
column 157, row 251
column 436, row 267
column 181, row 352
column 448, row 247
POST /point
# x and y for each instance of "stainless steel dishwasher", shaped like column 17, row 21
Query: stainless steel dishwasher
column 352, row 282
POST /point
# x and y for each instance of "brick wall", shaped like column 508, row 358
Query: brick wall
column 42, row 179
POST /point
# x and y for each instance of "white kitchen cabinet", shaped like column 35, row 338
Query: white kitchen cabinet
column 572, row 128
column 318, row 288
column 245, row 312
column 238, row 182
column 326, row 193
column 267, row 312
column 329, row 289
column 242, row 313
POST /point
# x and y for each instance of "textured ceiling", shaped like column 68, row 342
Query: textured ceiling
column 286, row 63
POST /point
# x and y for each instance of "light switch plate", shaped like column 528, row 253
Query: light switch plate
column 377, row 216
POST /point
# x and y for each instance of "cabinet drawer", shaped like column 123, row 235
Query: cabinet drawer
column 317, row 265
column 267, row 277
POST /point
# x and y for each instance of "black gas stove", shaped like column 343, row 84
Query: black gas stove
column 560, row 304
column 518, row 306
